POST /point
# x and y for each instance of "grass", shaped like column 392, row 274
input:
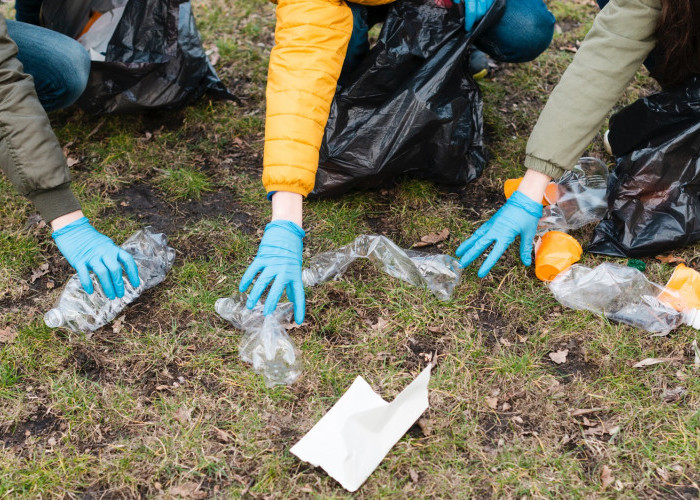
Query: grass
column 159, row 399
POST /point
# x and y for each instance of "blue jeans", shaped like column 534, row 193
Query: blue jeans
column 524, row 31
column 59, row 65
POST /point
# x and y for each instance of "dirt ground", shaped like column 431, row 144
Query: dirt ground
column 158, row 405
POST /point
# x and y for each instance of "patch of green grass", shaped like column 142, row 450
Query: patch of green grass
column 183, row 183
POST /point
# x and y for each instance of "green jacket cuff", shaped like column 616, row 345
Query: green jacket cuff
column 54, row 203
column 544, row 166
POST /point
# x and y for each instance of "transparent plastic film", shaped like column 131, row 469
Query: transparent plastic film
column 619, row 293
column 82, row 312
column 438, row 273
column 265, row 343
column 580, row 198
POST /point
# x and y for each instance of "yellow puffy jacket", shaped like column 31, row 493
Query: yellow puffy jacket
column 311, row 37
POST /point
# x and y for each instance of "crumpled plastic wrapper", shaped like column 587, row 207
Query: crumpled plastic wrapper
column 619, row 293
column 265, row 343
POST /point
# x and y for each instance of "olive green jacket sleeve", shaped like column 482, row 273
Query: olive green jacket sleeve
column 621, row 38
column 30, row 154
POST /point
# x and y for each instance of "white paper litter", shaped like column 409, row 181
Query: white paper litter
column 352, row 439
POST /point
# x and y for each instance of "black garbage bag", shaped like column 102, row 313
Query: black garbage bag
column 154, row 59
column 411, row 107
column 654, row 192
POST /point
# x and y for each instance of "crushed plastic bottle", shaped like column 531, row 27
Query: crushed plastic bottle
column 620, row 293
column 81, row 312
column 265, row 343
column 438, row 273
column 580, row 200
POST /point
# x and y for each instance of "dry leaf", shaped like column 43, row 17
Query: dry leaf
column 223, row 436
column 183, row 415
column 52, row 441
column 654, row 361
column 432, row 238
column 670, row 259
column 559, row 357
column 7, row 335
column 188, row 490
column 50, row 284
column 118, row 325
column 492, row 403
column 606, row 477
column 414, row 475
column 672, row 395
column 213, row 54
column 380, row 324
column 578, row 413
column 39, row 272
column 425, row 426
column 696, row 352
column 71, row 161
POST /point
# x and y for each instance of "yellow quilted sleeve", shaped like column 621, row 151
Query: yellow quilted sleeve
column 311, row 38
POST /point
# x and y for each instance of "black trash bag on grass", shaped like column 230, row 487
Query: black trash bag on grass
column 411, row 107
column 654, row 192
column 154, row 59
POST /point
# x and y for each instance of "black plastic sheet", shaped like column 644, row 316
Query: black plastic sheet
column 654, row 192
column 411, row 107
column 154, row 60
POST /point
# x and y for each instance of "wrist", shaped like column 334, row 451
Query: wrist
column 288, row 206
column 64, row 220
column 534, row 184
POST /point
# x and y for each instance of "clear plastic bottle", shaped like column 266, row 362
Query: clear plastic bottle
column 265, row 343
column 81, row 312
column 439, row 273
column 580, row 199
column 619, row 293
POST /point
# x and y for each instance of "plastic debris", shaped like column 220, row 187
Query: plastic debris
column 438, row 273
column 555, row 252
column 637, row 264
column 581, row 198
column 81, row 312
column 265, row 343
column 654, row 205
column 619, row 293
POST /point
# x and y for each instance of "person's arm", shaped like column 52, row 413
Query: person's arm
column 32, row 159
column 311, row 37
column 620, row 39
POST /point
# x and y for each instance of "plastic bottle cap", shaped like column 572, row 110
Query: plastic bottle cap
column 53, row 318
column 555, row 252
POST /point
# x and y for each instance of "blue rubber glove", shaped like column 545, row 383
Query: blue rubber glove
column 87, row 250
column 518, row 217
column 278, row 259
column 473, row 11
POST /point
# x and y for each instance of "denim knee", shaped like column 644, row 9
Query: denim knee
column 523, row 33
column 70, row 77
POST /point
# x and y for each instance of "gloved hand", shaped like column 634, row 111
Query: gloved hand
column 473, row 11
column 87, row 250
column 518, row 217
column 278, row 259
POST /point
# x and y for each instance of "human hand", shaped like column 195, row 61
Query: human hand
column 517, row 217
column 86, row 249
column 278, row 259
column 474, row 10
